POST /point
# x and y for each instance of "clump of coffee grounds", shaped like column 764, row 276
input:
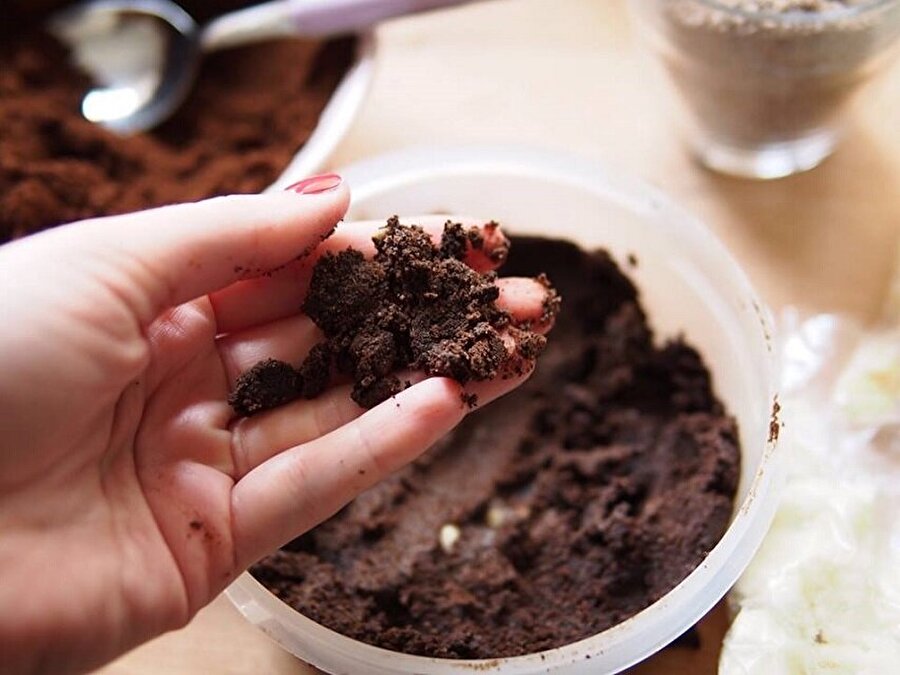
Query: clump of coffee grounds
column 414, row 307
column 251, row 110
column 561, row 509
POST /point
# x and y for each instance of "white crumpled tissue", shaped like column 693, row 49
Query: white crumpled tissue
column 822, row 594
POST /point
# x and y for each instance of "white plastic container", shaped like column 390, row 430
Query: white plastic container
column 688, row 282
column 336, row 118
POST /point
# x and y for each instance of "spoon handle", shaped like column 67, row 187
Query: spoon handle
column 308, row 18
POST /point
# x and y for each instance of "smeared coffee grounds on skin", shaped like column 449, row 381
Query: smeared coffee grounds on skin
column 614, row 468
column 470, row 400
column 499, row 253
column 414, row 306
column 552, row 302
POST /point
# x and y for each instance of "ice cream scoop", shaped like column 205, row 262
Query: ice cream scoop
column 144, row 54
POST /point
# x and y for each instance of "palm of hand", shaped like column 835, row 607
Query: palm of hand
column 116, row 507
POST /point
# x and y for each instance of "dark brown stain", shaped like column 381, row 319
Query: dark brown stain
column 199, row 527
column 774, row 422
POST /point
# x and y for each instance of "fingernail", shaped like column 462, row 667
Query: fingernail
column 316, row 185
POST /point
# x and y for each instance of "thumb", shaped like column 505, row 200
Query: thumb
column 160, row 258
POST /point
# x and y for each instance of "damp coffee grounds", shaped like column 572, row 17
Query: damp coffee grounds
column 251, row 109
column 415, row 306
column 555, row 512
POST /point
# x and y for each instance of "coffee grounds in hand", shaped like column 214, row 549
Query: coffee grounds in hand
column 250, row 111
column 414, row 307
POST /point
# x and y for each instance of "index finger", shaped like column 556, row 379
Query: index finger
column 160, row 258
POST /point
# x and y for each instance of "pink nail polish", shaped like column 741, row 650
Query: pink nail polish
column 316, row 185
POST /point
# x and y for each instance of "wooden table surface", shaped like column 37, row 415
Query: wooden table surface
column 569, row 75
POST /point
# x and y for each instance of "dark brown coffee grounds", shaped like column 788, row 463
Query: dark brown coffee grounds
column 414, row 306
column 267, row 384
column 251, row 110
column 571, row 504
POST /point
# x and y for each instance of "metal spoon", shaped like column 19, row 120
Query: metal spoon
column 144, row 54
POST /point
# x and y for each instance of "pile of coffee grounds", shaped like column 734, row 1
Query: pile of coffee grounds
column 557, row 511
column 415, row 306
column 252, row 108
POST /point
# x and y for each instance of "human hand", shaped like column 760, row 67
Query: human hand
column 130, row 496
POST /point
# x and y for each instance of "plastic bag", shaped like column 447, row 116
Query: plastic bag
column 822, row 594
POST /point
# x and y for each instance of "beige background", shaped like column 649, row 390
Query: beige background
column 568, row 75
